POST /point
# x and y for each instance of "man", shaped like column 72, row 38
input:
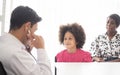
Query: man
column 13, row 53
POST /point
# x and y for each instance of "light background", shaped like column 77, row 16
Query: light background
column 91, row 14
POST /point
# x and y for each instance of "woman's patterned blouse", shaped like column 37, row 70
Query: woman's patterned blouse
column 105, row 48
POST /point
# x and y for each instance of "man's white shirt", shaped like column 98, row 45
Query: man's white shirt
column 17, row 61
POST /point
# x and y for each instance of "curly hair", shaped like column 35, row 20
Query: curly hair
column 76, row 30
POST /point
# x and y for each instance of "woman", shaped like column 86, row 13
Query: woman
column 106, row 47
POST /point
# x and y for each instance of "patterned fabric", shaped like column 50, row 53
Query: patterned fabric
column 105, row 48
column 78, row 56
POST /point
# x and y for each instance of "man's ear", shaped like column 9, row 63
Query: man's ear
column 27, row 26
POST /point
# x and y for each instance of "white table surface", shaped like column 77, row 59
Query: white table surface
column 93, row 68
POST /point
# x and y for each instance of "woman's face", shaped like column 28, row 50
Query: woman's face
column 111, row 25
column 69, row 41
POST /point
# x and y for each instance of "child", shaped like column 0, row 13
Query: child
column 73, row 38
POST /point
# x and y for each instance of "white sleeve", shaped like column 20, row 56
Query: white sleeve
column 22, row 63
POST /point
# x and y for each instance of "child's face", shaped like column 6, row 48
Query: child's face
column 69, row 41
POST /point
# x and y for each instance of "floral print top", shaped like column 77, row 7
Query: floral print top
column 105, row 48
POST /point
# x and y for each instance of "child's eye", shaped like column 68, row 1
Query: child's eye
column 65, row 38
column 70, row 38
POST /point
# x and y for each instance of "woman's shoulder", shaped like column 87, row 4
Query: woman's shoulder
column 118, row 34
column 101, row 35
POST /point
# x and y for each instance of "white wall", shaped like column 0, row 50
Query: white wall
column 91, row 14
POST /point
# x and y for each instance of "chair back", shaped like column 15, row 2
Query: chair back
column 2, row 70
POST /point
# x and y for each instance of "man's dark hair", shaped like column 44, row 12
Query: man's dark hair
column 21, row 15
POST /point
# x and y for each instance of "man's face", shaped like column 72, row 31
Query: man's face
column 28, row 34
column 30, row 38
column 34, row 28
column 31, row 32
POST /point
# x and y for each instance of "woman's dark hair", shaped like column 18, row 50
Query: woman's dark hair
column 76, row 30
column 21, row 15
column 115, row 17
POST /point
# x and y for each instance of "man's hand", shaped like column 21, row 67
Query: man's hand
column 38, row 41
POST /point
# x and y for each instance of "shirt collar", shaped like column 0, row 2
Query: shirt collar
column 114, row 37
column 16, row 41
